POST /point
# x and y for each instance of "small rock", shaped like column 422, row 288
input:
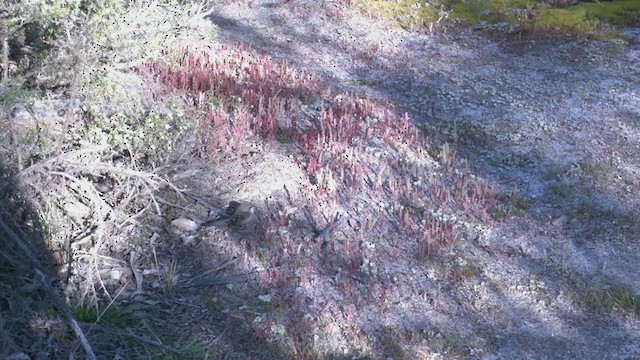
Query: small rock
column 121, row 275
column 184, row 224
column 188, row 240
column 561, row 221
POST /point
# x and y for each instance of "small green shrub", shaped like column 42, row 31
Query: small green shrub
column 561, row 190
column 150, row 137
column 511, row 204
column 498, row 213
column 111, row 315
column 284, row 138
column 621, row 297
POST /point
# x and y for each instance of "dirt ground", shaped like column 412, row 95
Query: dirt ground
column 497, row 219
column 555, row 123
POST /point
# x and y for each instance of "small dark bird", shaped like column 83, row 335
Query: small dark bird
column 236, row 213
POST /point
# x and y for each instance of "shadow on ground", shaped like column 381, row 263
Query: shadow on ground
column 571, row 260
column 27, row 324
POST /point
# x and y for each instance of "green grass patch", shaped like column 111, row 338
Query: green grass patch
column 407, row 13
column 476, row 11
column 110, row 315
column 499, row 213
column 614, row 298
column 582, row 17
column 561, row 190
column 587, row 210
column 623, row 298
column 511, row 204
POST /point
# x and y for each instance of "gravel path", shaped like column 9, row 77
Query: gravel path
column 555, row 123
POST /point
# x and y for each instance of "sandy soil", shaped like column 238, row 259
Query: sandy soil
column 553, row 122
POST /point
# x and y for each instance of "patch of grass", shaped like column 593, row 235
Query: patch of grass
column 519, row 203
column 552, row 174
column 617, row 45
column 453, row 343
column 156, row 347
column 169, row 279
column 612, row 297
column 521, row 160
column 561, row 190
column 512, row 204
column 499, row 213
column 616, row 13
column 588, row 210
column 447, row 155
column 110, row 315
column 474, row 134
column 17, row 95
column 621, row 297
column 284, row 138
column 573, row 19
column 601, row 173
column 213, row 302
column 583, row 17
column 435, row 235
column 407, row 13
column 469, row 271
column 473, row 12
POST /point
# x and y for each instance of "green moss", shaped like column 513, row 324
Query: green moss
column 582, row 17
column 616, row 13
column 408, row 14
column 574, row 18
column 472, row 12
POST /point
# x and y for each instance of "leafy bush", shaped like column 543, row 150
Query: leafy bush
column 86, row 48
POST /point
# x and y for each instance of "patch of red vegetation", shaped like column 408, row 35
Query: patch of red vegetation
column 360, row 142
